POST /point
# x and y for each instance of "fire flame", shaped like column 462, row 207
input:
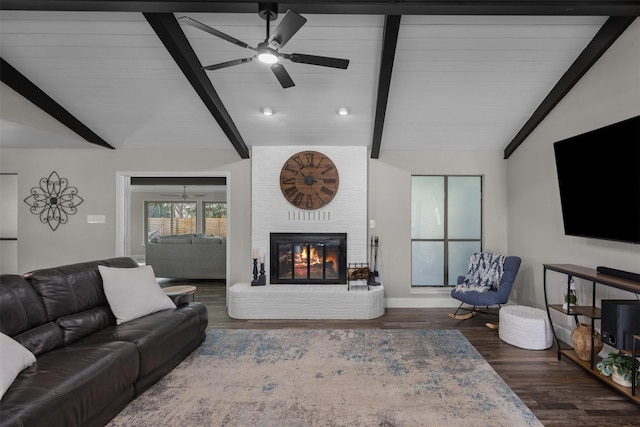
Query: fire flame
column 314, row 257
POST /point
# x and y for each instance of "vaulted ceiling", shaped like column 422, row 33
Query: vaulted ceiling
column 423, row 75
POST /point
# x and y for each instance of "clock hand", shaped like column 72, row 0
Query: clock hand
column 308, row 179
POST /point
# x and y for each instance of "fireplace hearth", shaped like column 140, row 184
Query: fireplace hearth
column 308, row 258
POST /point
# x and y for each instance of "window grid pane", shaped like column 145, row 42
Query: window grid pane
column 459, row 254
column 463, row 202
column 215, row 219
column 427, row 263
column 427, row 207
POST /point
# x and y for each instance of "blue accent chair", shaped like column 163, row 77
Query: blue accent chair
column 481, row 301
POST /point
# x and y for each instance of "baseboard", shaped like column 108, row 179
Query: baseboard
column 441, row 302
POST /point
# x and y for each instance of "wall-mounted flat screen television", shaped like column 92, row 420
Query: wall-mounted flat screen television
column 599, row 179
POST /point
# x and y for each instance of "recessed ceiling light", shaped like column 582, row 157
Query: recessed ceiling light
column 268, row 111
column 343, row 111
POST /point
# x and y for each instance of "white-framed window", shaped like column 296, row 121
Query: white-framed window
column 170, row 218
column 446, row 227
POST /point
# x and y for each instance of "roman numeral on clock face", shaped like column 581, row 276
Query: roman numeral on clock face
column 290, row 191
column 309, row 157
column 298, row 199
column 327, row 191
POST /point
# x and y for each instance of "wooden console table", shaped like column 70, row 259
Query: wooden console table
column 591, row 312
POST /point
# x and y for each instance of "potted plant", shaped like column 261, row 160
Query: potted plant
column 618, row 366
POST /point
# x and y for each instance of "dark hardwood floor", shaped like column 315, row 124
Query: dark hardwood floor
column 559, row 393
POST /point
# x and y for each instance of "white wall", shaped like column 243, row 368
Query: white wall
column 390, row 202
column 93, row 172
column 608, row 93
column 346, row 213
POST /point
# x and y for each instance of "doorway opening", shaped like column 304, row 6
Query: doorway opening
column 166, row 205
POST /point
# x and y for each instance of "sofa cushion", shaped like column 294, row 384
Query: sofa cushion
column 20, row 306
column 42, row 338
column 14, row 358
column 78, row 325
column 133, row 292
column 206, row 241
column 174, row 240
column 158, row 336
column 70, row 385
column 73, row 288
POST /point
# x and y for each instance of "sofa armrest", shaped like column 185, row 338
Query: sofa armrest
column 179, row 298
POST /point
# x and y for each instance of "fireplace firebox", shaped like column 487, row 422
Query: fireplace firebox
column 308, row 258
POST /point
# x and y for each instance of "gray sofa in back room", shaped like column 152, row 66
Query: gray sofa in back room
column 187, row 257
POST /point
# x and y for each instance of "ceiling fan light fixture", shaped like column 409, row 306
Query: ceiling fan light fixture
column 267, row 55
column 343, row 111
column 268, row 111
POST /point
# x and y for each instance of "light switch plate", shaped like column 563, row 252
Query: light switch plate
column 96, row 219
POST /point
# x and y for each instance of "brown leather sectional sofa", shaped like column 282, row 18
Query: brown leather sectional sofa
column 87, row 368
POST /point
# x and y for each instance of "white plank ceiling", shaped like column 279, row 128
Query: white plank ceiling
column 458, row 83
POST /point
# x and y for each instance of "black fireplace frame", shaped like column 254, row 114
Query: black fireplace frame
column 308, row 238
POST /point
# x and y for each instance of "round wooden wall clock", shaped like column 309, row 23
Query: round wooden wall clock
column 309, row 180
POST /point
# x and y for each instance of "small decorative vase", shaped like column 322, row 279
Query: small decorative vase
column 617, row 378
column 581, row 341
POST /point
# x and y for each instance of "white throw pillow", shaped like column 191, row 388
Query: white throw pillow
column 133, row 292
column 14, row 358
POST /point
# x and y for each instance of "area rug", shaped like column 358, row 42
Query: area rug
column 365, row 377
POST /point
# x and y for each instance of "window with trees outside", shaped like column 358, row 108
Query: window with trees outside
column 446, row 227
column 170, row 218
column 215, row 219
column 176, row 218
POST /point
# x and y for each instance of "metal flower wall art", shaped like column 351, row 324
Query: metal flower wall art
column 53, row 200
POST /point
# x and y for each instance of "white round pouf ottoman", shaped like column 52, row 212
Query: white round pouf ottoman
column 525, row 327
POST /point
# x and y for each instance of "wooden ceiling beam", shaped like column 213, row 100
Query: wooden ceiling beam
column 368, row 7
column 168, row 30
column 25, row 87
column 604, row 38
column 389, row 42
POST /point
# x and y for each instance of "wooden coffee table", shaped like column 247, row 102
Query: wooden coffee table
column 182, row 289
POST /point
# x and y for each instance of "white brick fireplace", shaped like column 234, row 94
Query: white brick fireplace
column 346, row 213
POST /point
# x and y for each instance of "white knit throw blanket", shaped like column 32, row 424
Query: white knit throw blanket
column 485, row 273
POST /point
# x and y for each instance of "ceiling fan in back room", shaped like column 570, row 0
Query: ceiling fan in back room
column 267, row 51
column 184, row 195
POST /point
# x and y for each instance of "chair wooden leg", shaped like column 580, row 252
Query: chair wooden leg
column 457, row 316
column 490, row 324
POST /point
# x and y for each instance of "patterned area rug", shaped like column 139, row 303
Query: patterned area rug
column 365, row 377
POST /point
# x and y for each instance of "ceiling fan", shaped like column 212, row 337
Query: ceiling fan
column 267, row 51
column 184, row 195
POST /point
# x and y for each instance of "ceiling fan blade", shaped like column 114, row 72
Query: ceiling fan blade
column 323, row 61
column 227, row 64
column 213, row 31
column 290, row 24
column 283, row 77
